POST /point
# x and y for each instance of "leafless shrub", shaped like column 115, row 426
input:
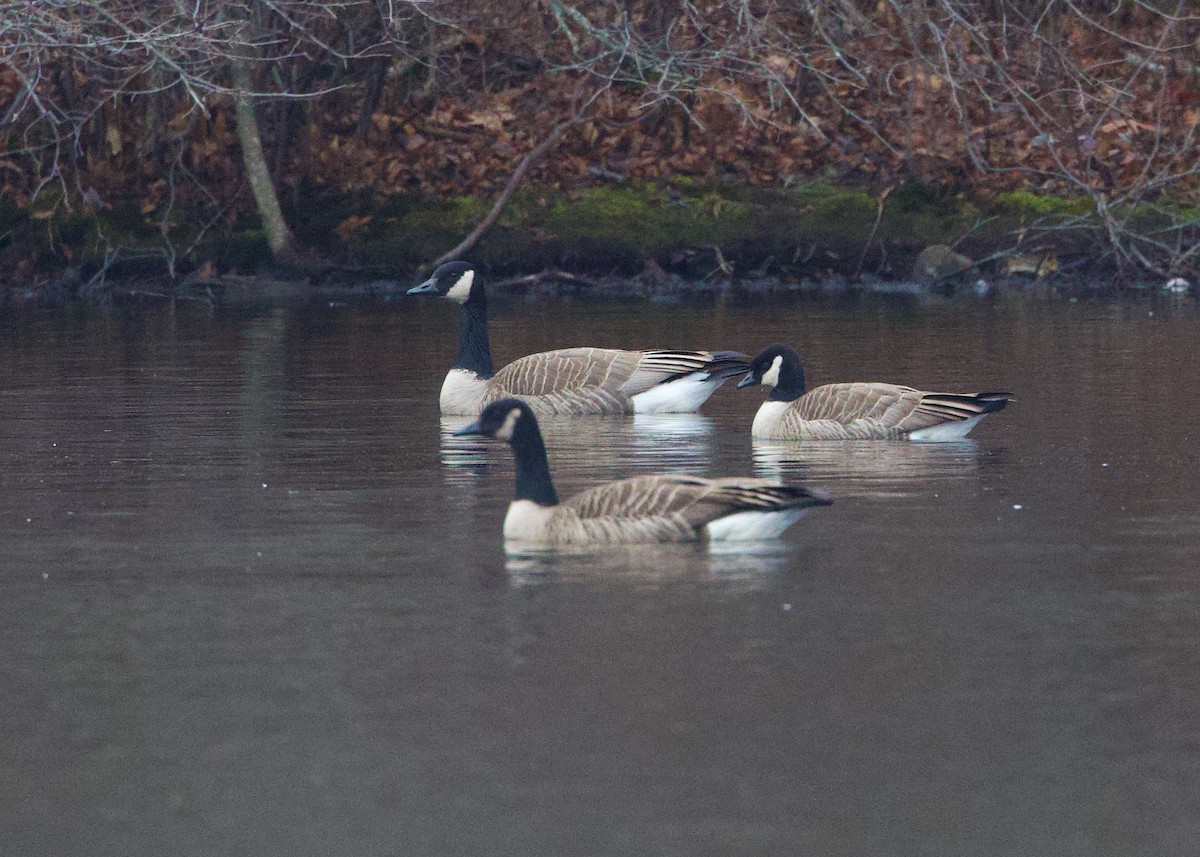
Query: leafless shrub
column 1099, row 100
column 1093, row 99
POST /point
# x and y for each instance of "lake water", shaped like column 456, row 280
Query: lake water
column 253, row 600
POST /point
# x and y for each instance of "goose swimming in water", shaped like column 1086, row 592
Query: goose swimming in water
column 570, row 381
column 643, row 509
column 857, row 411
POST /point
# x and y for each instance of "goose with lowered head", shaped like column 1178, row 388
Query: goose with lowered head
column 857, row 411
column 570, row 381
column 642, row 509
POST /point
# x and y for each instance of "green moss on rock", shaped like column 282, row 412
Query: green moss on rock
column 1030, row 206
column 646, row 220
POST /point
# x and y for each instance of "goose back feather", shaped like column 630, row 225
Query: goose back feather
column 574, row 381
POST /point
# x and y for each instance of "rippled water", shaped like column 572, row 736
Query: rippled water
column 254, row 600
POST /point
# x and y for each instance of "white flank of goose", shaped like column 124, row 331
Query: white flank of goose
column 570, row 381
column 857, row 411
column 643, row 509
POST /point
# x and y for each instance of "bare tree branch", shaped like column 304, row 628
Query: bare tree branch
column 515, row 180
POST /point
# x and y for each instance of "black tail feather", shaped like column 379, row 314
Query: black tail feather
column 727, row 364
column 994, row 401
column 963, row 406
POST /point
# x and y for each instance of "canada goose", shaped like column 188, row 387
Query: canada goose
column 660, row 508
column 858, row 411
column 571, row 381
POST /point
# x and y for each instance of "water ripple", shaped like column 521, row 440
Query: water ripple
column 865, row 468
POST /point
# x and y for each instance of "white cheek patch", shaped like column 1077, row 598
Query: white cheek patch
column 771, row 376
column 505, row 432
column 461, row 290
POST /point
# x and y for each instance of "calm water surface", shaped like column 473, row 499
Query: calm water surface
column 253, row 597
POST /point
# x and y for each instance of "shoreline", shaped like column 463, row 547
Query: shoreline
column 625, row 240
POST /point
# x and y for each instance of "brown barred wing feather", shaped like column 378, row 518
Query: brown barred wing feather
column 568, row 381
column 681, row 500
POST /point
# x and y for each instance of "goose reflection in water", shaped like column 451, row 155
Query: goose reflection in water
column 740, row 567
column 866, row 468
column 593, row 448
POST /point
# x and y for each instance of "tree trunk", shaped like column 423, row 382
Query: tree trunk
column 279, row 235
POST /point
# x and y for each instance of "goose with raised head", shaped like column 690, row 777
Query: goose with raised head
column 639, row 510
column 570, row 381
column 857, row 411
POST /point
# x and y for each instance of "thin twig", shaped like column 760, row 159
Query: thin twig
column 553, row 275
column 874, row 229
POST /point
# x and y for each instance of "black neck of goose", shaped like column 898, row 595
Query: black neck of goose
column 474, row 352
column 533, row 469
column 791, row 383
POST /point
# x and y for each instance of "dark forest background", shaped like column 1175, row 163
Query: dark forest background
column 163, row 131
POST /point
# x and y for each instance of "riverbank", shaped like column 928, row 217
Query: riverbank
column 620, row 239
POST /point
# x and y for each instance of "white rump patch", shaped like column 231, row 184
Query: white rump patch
column 955, row 430
column 752, row 526
column 461, row 290
column 682, row 396
column 771, row 376
column 462, row 393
